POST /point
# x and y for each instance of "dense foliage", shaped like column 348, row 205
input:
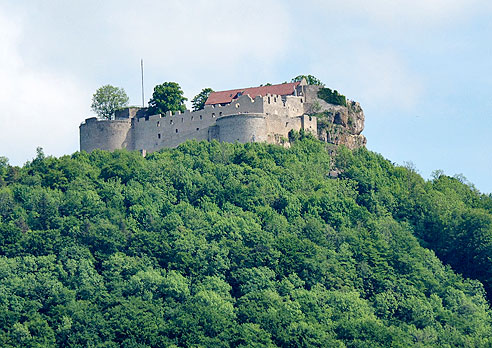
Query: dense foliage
column 167, row 96
column 199, row 100
column 231, row 245
column 310, row 79
column 332, row 97
column 107, row 100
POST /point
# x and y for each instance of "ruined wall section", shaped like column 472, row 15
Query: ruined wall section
column 279, row 116
column 106, row 134
column 262, row 119
column 158, row 131
column 336, row 124
column 155, row 132
column 130, row 112
column 309, row 124
column 279, row 127
column 273, row 129
column 290, row 106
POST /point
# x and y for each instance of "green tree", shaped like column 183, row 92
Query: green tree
column 167, row 96
column 332, row 97
column 310, row 79
column 4, row 165
column 199, row 101
column 241, row 245
column 107, row 100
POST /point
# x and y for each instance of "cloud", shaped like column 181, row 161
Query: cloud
column 37, row 106
column 55, row 54
column 420, row 14
column 206, row 36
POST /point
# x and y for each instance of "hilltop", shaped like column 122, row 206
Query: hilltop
column 238, row 245
column 267, row 113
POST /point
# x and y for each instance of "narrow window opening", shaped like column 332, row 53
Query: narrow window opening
column 198, row 129
column 176, row 130
column 220, row 114
column 159, row 136
column 268, row 100
column 213, row 114
column 158, row 124
column 201, row 117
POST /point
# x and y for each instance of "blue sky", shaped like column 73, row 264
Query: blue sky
column 421, row 69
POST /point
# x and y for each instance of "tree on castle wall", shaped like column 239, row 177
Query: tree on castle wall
column 107, row 100
column 167, row 97
column 199, row 101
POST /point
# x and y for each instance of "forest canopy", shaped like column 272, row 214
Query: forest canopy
column 241, row 245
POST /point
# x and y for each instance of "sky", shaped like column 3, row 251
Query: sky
column 421, row 69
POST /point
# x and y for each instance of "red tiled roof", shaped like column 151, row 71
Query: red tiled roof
column 224, row 97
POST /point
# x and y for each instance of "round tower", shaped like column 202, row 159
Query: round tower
column 106, row 134
column 243, row 128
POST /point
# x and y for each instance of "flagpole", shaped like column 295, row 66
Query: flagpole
column 141, row 68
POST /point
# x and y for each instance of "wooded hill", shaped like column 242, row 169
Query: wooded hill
column 241, row 245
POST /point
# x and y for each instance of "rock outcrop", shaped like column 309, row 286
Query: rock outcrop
column 342, row 125
column 337, row 124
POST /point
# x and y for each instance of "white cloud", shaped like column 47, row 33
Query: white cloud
column 420, row 14
column 55, row 54
column 38, row 107
column 213, row 35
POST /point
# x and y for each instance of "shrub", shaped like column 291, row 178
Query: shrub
column 332, row 97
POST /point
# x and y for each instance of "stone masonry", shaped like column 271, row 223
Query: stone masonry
column 264, row 118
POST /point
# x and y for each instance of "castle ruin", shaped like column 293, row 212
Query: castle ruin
column 258, row 114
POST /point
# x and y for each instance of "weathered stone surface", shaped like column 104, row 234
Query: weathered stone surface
column 267, row 118
column 341, row 125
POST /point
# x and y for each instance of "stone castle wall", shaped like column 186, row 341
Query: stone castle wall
column 263, row 119
column 106, row 134
column 243, row 128
column 267, row 118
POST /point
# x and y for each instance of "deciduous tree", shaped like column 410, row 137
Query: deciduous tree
column 310, row 79
column 199, row 101
column 167, row 96
column 107, row 100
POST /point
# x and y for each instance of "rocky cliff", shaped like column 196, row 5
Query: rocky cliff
column 337, row 124
column 342, row 125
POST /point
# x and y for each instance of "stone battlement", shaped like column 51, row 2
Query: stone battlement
column 264, row 118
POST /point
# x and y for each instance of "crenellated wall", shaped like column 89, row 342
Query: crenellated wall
column 286, row 106
column 263, row 119
column 169, row 130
